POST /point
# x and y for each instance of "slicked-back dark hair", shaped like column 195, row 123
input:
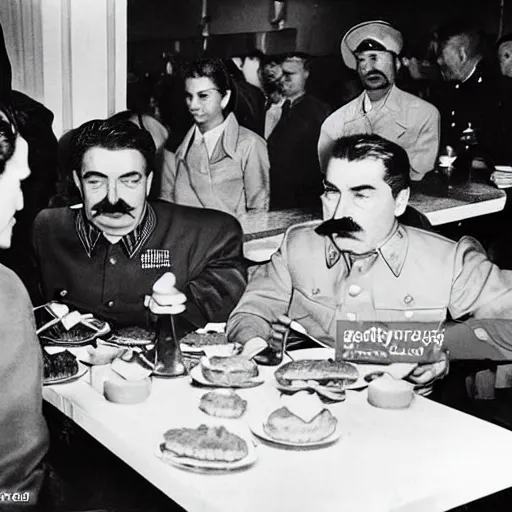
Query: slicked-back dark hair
column 113, row 135
column 8, row 132
column 356, row 148
column 212, row 68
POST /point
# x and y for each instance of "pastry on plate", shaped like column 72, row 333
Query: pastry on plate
column 204, row 443
column 196, row 339
column 132, row 335
column 228, row 371
column 336, row 374
column 223, row 403
column 301, row 419
column 59, row 365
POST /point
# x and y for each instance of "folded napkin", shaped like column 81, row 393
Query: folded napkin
column 132, row 366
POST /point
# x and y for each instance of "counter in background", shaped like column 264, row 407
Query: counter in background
column 264, row 231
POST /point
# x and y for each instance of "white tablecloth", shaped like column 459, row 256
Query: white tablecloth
column 425, row 458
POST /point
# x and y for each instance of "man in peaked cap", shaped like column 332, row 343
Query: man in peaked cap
column 372, row 48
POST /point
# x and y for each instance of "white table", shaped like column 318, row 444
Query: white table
column 426, row 458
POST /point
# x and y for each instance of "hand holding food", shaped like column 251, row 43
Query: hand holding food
column 165, row 298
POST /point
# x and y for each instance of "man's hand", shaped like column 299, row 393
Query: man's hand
column 279, row 332
column 426, row 374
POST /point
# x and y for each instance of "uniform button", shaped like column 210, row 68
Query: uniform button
column 457, row 86
column 110, row 303
column 63, row 293
column 351, row 316
column 453, row 125
column 408, row 299
column 409, row 314
column 354, row 290
column 453, row 112
column 112, row 260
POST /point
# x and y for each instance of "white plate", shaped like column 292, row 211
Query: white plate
column 197, row 376
column 210, row 466
column 257, row 429
column 397, row 370
column 82, row 370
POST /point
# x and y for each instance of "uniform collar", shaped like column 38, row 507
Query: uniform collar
column 229, row 139
column 393, row 251
column 392, row 102
column 89, row 234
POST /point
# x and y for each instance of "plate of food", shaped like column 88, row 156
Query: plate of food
column 226, row 372
column 300, row 420
column 317, row 366
column 207, row 448
column 132, row 336
column 61, row 367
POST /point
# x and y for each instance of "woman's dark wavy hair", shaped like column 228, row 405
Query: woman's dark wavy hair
column 212, row 68
column 360, row 147
column 113, row 135
column 8, row 133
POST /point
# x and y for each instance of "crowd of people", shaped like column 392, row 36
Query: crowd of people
column 117, row 202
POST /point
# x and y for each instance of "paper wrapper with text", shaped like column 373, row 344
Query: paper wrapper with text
column 389, row 342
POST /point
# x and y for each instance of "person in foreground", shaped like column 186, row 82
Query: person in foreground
column 24, row 436
column 361, row 264
column 105, row 257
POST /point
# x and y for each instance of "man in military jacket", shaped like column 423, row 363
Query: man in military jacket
column 104, row 257
column 361, row 264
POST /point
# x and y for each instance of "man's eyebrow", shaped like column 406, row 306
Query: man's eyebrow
column 360, row 188
column 93, row 174
column 131, row 174
column 327, row 183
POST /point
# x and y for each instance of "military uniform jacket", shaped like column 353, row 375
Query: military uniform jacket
column 203, row 248
column 414, row 276
column 404, row 119
column 485, row 101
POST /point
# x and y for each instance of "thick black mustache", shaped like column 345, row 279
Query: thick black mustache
column 343, row 227
column 376, row 73
column 105, row 206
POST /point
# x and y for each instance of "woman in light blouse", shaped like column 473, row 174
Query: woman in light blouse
column 219, row 164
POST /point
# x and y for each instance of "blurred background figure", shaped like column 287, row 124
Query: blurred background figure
column 251, row 64
column 220, row 164
column 169, row 94
column 504, row 46
column 46, row 184
column 295, row 177
column 270, row 78
column 247, row 101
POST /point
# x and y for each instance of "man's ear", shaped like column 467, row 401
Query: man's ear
column 225, row 99
column 398, row 64
column 401, row 201
column 149, row 181
column 77, row 182
column 462, row 53
column 306, row 74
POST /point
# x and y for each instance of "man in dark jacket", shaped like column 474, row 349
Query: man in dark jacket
column 474, row 94
column 105, row 257
column 295, row 177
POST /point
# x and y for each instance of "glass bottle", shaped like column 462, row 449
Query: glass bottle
column 168, row 357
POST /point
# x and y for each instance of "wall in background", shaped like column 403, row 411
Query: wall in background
column 320, row 23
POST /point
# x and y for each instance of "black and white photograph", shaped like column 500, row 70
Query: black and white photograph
column 255, row 256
